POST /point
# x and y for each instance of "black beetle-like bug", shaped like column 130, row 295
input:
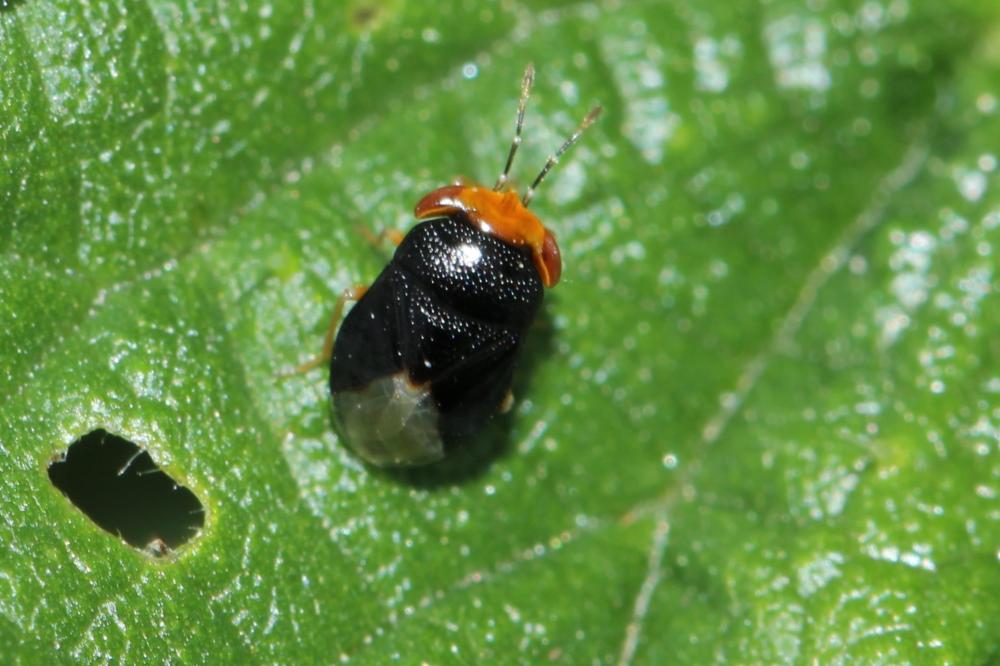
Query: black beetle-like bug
column 425, row 357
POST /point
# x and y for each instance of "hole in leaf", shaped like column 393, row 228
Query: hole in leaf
column 120, row 488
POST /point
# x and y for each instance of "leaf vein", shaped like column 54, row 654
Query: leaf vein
column 909, row 167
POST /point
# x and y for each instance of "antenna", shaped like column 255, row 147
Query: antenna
column 526, row 82
column 553, row 160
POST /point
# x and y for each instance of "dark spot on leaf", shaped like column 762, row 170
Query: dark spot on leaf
column 369, row 15
column 120, row 488
column 364, row 15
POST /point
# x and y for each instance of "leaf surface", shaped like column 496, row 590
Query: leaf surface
column 756, row 423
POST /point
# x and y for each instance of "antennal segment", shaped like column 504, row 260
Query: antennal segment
column 526, row 83
column 553, row 160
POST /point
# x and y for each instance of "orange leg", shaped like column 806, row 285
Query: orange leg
column 378, row 240
column 352, row 294
column 508, row 402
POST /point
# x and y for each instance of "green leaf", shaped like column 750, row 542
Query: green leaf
column 757, row 423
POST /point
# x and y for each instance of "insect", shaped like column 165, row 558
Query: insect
column 425, row 357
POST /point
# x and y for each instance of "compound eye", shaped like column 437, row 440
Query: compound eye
column 551, row 260
column 440, row 203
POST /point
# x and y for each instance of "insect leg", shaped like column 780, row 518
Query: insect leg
column 378, row 240
column 352, row 294
column 507, row 404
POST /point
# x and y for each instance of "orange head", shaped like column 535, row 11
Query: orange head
column 500, row 214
